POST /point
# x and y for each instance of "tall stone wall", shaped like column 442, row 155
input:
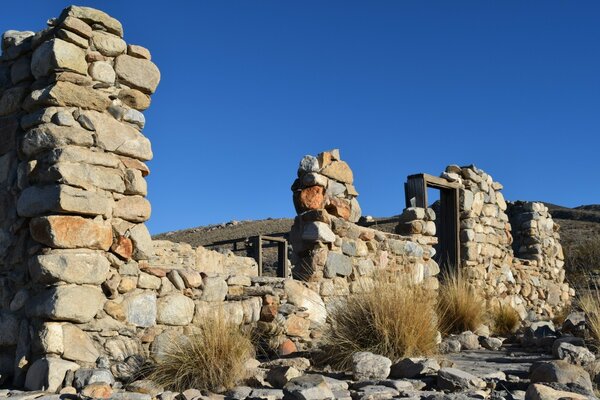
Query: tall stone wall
column 524, row 270
column 333, row 254
column 72, row 168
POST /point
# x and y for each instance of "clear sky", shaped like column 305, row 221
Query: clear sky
column 249, row 87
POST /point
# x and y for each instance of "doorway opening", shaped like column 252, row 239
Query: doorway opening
column 447, row 218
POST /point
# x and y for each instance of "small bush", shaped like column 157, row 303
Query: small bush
column 582, row 259
column 459, row 307
column 505, row 320
column 395, row 320
column 213, row 358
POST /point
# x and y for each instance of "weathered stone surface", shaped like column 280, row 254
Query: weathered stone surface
column 49, row 136
column 318, row 232
column 72, row 38
column 67, row 303
column 48, row 374
column 134, row 99
column 77, row 26
column 123, row 247
column 9, row 329
column 93, row 16
column 81, row 175
column 340, row 208
column 142, row 242
column 308, row 387
column 541, row 392
column 57, row 54
column 367, row 366
column 11, row 99
column 118, row 137
column 409, row 368
column 560, row 371
column 75, row 154
column 309, row 164
column 77, row 345
column 301, row 296
column 138, row 51
column 338, row 170
column 455, row 379
column 103, row 72
column 140, row 309
column 135, row 182
column 108, row 44
column 214, row 289
column 37, row 200
column 132, row 208
column 175, row 309
column 70, row 232
column 67, row 94
column 577, row 355
column 138, row 73
column 337, row 265
column 312, row 198
column 70, row 267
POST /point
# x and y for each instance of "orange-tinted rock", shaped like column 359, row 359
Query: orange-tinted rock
column 339, row 207
column 297, row 326
column 70, row 232
column 287, row 347
column 135, row 164
column 312, row 198
column 123, row 247
column 159, row 272
column 97, row 390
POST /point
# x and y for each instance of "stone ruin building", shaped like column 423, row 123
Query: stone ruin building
column 83, row 285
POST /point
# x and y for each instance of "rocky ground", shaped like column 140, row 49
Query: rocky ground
column 540, row 363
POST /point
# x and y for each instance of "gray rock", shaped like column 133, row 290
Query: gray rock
column 560, row 371
column 309, row 164
column 577, row 355
column 266, row 394
column 337, row 265
column 175, row 309
column 278, row 377
column 70, row 266
column 450, row 346
column 574, row 323
column 239, row 393
column 108, row 44
column 67, row 303
column 142, row 242
column 308, row 387
column 140, row 309
column 103, row 72
column 574, row 340
column 413, row 367
column 57, row 54
column 78, row 346
column 87, row 376
column 490, row 343
column 93, row 16
column 137, row 73
column 316, row 231
column 454, row 379
column 542, row 392
column 366, row 365
column 468, row 340
column 64, row 118
column 214, row 289
column 48, row 374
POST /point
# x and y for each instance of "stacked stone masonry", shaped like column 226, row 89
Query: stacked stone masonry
column 338, row 257
column 524, row 271
column 82, row 283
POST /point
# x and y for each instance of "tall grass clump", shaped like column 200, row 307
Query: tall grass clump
column 589, row 302
column 459, row 307
column 213, row 358
column 581, row 259
column 395, row 320
column 505, row 320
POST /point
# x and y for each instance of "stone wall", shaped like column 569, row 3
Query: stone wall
column 524, row 271
column 333, row 254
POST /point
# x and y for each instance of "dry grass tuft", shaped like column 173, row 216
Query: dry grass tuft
column 589, row 302
column 459, row 307
column 395, row 320
column 505, row 320
column 213, row 358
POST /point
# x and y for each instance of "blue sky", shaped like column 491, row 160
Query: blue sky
column 249, row 87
